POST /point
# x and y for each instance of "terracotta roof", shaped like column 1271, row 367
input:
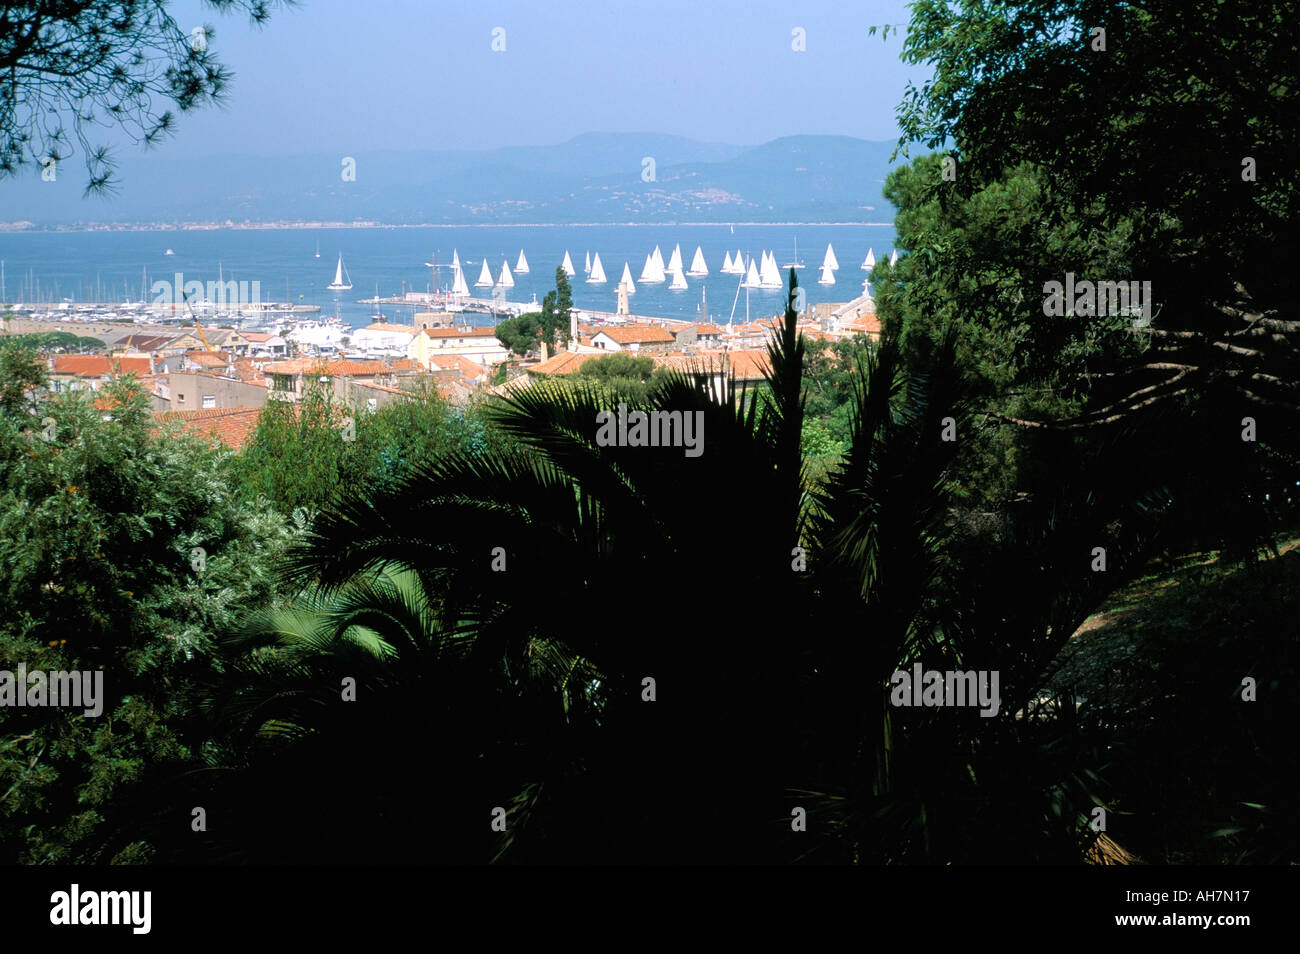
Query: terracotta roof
column 566, row 362
column 637, row 334
column 208, row 359
column 257, row 337
column 231, row 426
column 98, row 365
column 343, row 368
column 460, row 332
column 469, row 371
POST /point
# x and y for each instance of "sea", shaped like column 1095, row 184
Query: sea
column 115, row 266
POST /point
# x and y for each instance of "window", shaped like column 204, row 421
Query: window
column 180, row 398
column 209, row 400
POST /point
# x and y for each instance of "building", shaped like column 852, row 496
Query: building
column 479, row 345
column 75, row 372
column 640, row 339
column 382, row 336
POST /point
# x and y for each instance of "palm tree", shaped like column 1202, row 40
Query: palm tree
column 511, row 612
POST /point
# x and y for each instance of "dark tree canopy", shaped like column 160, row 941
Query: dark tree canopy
column 69, row 68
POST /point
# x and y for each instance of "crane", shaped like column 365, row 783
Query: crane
column 199, row 327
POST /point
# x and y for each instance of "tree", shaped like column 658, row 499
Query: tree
column 770, row 678
column 21, row 373
column 520, row 334
column 1128, row 139
column 67, row 68
column 98, row 535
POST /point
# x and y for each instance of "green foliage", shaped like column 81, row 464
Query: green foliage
column 54, row 341
column 96, row 533
column 298, row 457
column 521, row 334
column 21, row 372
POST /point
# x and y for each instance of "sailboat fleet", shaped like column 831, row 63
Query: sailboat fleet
column 757, row 273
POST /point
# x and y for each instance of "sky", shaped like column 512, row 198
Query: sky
column 352, row 75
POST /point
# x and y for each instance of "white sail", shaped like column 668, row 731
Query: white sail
column 698, row 266
column 893, row 259
column 507, row 280
column 739, row 262
column 870, row 262
column 339, row 284
column 626, row 280
column 653, row 273
column 586, row 268
column 828, row 277
column 484, row 276
column 521, row 266
column 675, row 263
column 455, row 259
column 726, row 264
column 597, row 272
column 771, row 275
column 829, row 261
column 679, row 280
column 568, row 264
column 458, row 286
column 658, row 260
column 751, row 279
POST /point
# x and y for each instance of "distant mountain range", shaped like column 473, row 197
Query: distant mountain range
column 595, row 177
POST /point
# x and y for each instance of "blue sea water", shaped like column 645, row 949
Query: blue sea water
column 74, row 265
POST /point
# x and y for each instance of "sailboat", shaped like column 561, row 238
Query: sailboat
column 339, row 284
column 751, row 279
column 170, row 252
column 568, row 264
column 506, row 280
column 521, row 266
column 586, row 269
column 796, row 263
column 484, row 276
column 893, row 259
column 679, row 281
column 626, row 280
column 869, row 262
column 828, row 276
column 653, row 273
column 458, row 287
column 318, row 248
column 597, row 272
column 659, row 260
column 726, row 264
column 770, row 277
column 830, row 261
column 698, row 266
column 675, row 263
column 739, row 262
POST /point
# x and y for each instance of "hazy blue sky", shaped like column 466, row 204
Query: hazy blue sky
column 349, row 75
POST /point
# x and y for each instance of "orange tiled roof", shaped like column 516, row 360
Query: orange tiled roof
column 98, row 365
column 456, row 362
column 338, row 368
column 638, row 334
column 231, row 426
column 566, row 362
column 460, row 332
column 208, row 359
